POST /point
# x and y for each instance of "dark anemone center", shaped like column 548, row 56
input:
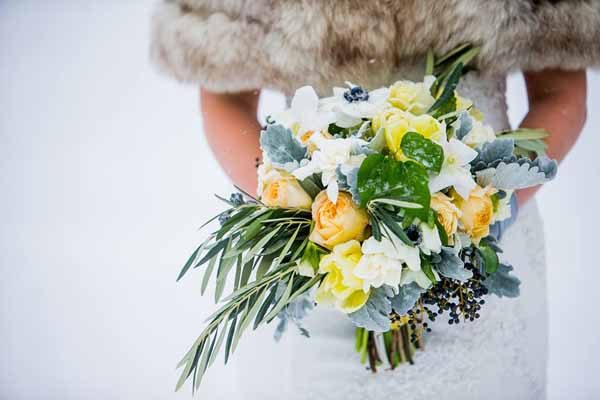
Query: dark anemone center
column 356, row 93
column 413, row 234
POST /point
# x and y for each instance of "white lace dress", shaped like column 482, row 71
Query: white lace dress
column 502, row 355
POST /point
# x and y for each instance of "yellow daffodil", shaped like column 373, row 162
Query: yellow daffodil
column 341, row 287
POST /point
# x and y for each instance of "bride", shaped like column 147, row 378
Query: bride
column 233, row 49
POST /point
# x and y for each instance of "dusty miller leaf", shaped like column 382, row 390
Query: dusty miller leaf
column 502, row 283
column 294, row 312
column 374, row 314
column 451, row 266
column 501, row 149
column 518, row 175
column 406, row 298
column 463, row 125
column 348, row 180
column 281, row 147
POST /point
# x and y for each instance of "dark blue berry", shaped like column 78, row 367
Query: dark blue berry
column 236, row 199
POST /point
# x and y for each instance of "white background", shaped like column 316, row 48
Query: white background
column 104, row 177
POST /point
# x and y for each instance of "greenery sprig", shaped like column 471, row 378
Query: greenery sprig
column 262, row 245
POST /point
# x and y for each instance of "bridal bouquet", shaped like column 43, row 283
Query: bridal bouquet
column 378, row 203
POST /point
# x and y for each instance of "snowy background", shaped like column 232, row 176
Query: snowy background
column 104, row 177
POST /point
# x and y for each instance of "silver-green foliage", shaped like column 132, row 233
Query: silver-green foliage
column 374, row 314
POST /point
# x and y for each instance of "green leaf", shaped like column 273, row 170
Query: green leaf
column 260, row 245
column 391, row 222
column 446, row 103
column 264, row 265
column 254, row 228
column 524, row 134
column 441, row 232
column 397, row 203
column 283, row 301
column 286, row 248
column 423, row 150
column 383, row 177
column 311, row 185
column 225, row 265
column 490, row 258
column 207, row 275
column 189, row 262
column 230, row 337
column 265, row 306
column 214, row 250
column 246, row 272
column 252, row 309
column 429, row 62
column 309, row 263
column 427, row 270
column 219, row 342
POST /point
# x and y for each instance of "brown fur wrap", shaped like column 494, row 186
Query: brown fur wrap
column 235, row 45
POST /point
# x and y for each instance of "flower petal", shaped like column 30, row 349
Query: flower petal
column 305, row 101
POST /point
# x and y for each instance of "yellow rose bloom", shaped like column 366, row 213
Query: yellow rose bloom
column 337, row 223
column 397, row 123
column 476, row 212
column 447, row 214
column 286, row 192
column 340, row 287
column 414, row 97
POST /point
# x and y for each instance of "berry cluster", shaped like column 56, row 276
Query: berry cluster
column 458, row 299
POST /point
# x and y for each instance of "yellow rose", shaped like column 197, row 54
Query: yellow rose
column 341, row 287
column 336, row 223
column 414, row 97
column 397, row 123
column 285, row 191
column 476, row 212
column 447, row 213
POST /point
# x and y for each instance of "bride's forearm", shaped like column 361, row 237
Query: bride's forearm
column 232, row 132
column 557, row 103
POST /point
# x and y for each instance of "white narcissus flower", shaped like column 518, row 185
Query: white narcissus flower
column 455, row 169
column 479, row 134
column 431, row 242
column 351, row 113
column 382, row 262
column 329, row 155
column 305, row 113
column 419, row 277
column 503, row 210
column 379, row 264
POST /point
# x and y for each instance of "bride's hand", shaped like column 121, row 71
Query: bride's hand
column 557, row 103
